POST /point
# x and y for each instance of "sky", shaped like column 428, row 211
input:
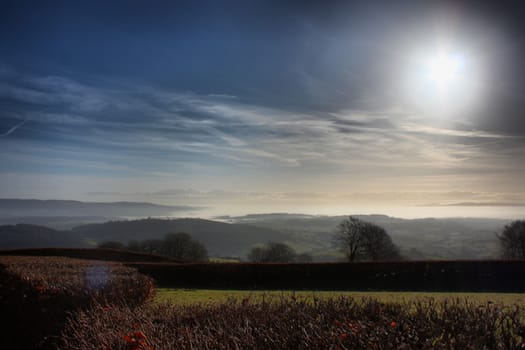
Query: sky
column 412, row 108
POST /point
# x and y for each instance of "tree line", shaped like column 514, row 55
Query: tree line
column 359, row 240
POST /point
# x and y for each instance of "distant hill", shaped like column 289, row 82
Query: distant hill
column 33, row 236
column 221, row 239
column 55, row 222
column 57, row 208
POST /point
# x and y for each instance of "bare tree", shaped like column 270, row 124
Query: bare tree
column 361, row 240
column 512, row 240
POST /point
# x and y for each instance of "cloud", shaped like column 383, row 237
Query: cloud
column 10, row 131
column 58, row 92
column 450, row 132
column 478, row 204
column 141, row 130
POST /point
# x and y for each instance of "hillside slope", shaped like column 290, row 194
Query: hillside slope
column 219, row 238
column 33, row 236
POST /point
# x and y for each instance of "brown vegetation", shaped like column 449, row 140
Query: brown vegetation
column 37, row 293
column 292, row 324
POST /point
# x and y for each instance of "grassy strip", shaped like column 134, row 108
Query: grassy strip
column 341, row 323
column 210, row 296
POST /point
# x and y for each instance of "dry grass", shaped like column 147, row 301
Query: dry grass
column 342, row 323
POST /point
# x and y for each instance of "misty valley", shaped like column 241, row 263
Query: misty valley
column 46, row 224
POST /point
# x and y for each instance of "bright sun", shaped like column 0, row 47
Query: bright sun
column 444, row 68
column 442, row 82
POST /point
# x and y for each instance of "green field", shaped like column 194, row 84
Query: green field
column 207, row 296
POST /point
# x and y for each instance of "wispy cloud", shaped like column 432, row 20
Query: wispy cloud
column 451, row 132
column 141, row 130
column 10, row 131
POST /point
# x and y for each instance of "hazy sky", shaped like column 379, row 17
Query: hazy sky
column 267, row 105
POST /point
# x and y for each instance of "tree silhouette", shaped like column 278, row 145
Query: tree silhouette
column 512, row 240
column 360, row 240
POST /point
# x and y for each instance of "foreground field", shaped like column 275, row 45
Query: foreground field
column 209, row 296
column 59, row 303
column 290, row 323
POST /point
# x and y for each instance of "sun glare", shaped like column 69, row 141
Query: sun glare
column 442, row 82
column 444, row 68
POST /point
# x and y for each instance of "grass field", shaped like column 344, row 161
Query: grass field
column 208, row 296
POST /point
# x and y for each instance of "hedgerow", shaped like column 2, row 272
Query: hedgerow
column 37, row 293
column 444, row 276
column 342, row 323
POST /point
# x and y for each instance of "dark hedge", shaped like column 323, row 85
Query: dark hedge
column 452, row 276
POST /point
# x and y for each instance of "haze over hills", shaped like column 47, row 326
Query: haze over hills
column 453, row 238
column 54, row 207
column 82, row 224
column 33, row 236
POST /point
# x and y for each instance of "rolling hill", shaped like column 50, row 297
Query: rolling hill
column 33, row 236
column 221, row 239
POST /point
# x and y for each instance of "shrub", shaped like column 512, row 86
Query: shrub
column 36, row 293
